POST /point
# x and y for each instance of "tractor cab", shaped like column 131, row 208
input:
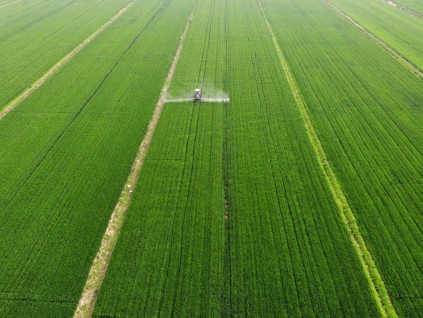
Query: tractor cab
column 197, row 95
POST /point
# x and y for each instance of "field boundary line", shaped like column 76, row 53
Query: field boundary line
column 396, row 55
column 376, row 283
column 100, row 264
column 403, row 8
column 26, row 93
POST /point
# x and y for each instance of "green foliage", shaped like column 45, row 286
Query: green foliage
column 65, row 155
column 400, row 30
column 232, row 215
column 366, row 109
column 36, row 34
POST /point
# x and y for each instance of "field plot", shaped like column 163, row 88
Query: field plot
column 400, row 30
column 415, row 5
column 232, row 215
column 65, row 155
column 35, row 35
column 6, row 3
column 367, row 111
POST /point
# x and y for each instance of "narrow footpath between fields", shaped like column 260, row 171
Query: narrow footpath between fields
column 379, row 42
column 368, row 265
column 403, row 8
column 24, row 95
column 101, row 261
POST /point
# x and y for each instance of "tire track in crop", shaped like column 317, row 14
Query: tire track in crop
column 23, row 266
column 227, row 258
column 403, row 8
column 295, row 255
column 367, row 126
column 52, row 145
column 7, row 37
column 29, row 8
column 205, row 51
column 61, row 134
column 100, row 264
column 189, row 168
column 293, row 244
column 13, row 104
column 38, row 247
column 376, row 283
column 37, row 20
column 187, row 173
column 398, row 57
column 175, row 219
column 62, row 27
column 227, row 306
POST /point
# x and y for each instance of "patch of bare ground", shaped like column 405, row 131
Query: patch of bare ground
column 13, row 104
column 98, row 269
column 376, row 283
column 416, row 71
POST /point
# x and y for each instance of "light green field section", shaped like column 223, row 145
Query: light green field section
column 415, row 5
column 367, row 111
column 65, row 154
column 232, row 215
column 400, row 30
column 35, row 35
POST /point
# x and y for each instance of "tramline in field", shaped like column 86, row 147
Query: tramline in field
column 296, row 190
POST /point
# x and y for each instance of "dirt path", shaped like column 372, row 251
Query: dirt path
column 8, row 108
column 370, row 270
column 403, row 8
column 98, row 269
column 378, row 41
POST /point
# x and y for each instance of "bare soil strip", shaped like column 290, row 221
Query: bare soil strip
column 403, row 8
column 98, row 269
column 378, row 41
column 372, row 274
column 8, row 108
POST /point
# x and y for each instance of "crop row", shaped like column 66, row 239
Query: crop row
column 232, row 215
column 65, row 155
column 37, row 34
column 401, row 31
column 366, row 109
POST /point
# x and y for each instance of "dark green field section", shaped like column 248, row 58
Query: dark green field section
column 400, row 30
column 35, row 35
column 66, row 152
column 368, row 113
column 232, row 216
